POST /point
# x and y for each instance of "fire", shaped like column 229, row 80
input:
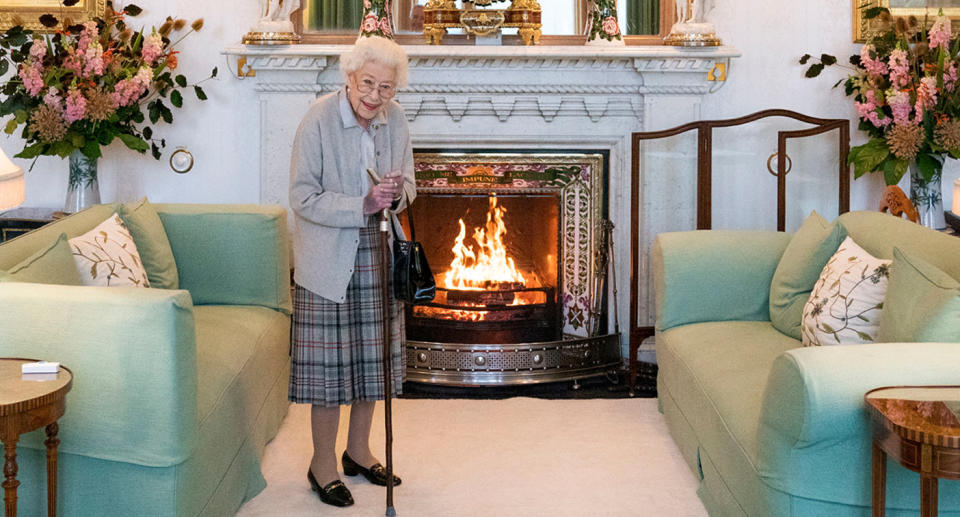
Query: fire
column 489, row 266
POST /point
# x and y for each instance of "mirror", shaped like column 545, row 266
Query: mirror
column 864, row 29
column 31, row 10
column 560, row 17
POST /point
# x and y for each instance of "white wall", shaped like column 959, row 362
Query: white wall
column 221, row 132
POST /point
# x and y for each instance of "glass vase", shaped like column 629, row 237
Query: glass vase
column 603, row 27
column 927, row 197
column 82, row 189
column 377, row 20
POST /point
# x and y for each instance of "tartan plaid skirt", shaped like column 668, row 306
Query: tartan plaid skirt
column 337, row 348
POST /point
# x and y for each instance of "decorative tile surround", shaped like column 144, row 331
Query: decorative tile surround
column 508, row 97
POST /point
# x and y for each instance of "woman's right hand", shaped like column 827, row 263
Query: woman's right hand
column 380, row 196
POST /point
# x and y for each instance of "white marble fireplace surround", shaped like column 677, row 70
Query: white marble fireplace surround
column 508, row 97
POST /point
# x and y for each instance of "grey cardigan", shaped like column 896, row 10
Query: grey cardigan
column 327, row 189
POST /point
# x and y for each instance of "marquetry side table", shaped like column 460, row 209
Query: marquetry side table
column 16, row 222
column 26, row 405
column 919, row 426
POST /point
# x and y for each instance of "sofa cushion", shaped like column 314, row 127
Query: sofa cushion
column 230, row 339
column 846, row 305
column 922, row 304
column 220, row 248
column 52, row 264
column 242, row 352
column 152, row 243
column 878, row 233
column 107, row 256
column 800, row 266
column 716, row 373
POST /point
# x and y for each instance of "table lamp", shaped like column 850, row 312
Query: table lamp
column 12, row 184
column 956, row 196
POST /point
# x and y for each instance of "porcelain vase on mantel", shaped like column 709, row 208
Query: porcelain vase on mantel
column 376, row 19
column 927, row 197
column 602, row 25
column 82, row 189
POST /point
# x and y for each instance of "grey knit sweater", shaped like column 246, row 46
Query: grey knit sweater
column 327, row 178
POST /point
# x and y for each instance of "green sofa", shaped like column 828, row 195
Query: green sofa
column 175, row 392
column 769, row 427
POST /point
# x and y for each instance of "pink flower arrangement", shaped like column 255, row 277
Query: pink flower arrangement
column 76, row 106
column 904, row 85
column 82, row 86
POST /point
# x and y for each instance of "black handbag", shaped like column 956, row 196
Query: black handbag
column 413, row 281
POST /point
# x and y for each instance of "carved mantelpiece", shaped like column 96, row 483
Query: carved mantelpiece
column 506, row 97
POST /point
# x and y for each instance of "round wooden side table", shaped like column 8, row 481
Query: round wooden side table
column 919, row 426
column 28, row 403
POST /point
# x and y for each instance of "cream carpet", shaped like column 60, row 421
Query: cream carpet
column 520, row 457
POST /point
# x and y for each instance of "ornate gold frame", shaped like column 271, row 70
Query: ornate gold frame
column 864, row 29
column 31, row 10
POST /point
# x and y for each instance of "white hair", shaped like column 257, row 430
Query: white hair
column 380, row 50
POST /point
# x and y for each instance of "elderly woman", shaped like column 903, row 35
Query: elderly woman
column 337, row 344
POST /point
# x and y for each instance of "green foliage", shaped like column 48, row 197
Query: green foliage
column 46, row 74
column 929, row 166
column 868, row 157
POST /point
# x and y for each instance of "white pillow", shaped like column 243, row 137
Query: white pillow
column 107, row 256
column 847, row 301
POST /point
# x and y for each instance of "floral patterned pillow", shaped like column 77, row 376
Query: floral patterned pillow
column 107, row 256
column 847, row 301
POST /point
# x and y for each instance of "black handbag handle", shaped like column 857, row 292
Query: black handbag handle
column 409, row 220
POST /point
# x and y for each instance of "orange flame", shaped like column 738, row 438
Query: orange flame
column 487, row 266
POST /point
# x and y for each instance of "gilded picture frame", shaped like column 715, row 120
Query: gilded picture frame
column 30, row 12
column 864, row 29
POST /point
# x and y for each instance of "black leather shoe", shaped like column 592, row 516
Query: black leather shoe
column 377, row 474
column 335, row 493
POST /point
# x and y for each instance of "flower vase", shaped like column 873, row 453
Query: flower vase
column 82, row 189
column 927, row 197
column 376, row 19
column 603, row 27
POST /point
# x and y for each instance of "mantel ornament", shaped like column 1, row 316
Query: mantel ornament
column 275, row 27
column 440, row 15
column 692, row 29
column 603, row 28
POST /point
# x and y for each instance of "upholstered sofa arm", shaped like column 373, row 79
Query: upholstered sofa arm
column 136, row 400
column 814, row 418
column 714, row 275
column 231, row 254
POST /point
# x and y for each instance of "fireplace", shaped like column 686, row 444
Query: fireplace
column 505, row 98
column 512, row 240
column 496, row 271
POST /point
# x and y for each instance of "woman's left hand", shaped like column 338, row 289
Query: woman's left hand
column 381, row 196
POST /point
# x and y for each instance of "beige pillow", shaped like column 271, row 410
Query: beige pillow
column 107, row 256
column 847, row 301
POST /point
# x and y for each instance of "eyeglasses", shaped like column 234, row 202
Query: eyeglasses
column 386, row 90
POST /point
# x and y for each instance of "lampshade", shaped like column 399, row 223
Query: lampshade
column 12, row 184
column 956, row 196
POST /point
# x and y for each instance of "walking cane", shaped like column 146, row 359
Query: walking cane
column 387, row 365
